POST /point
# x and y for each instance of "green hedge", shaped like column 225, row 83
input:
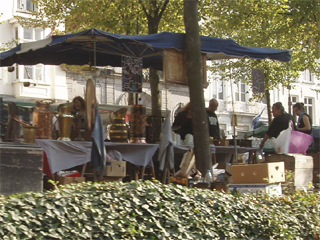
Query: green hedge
column 151, row 210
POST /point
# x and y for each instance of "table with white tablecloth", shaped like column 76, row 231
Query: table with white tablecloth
column 67, row 154
column 228, row 151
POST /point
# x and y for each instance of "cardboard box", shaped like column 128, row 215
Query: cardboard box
column 220, row 186
column 221, row 142
column 115, row 169
column 228, row 171
column 291, row 161
column 90, row 178
column 111, row 179
column 68, row 180
column 272, row 189
column 301, row 165
column 188, row 182
column 259, row 173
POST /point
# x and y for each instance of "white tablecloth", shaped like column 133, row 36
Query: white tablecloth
column 139, row 154
column 66, row 154
column 216, row 149
column 183, row 148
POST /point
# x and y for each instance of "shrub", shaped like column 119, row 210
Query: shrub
column 151, row 210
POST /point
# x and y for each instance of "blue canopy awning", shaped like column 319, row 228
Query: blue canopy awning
column 100, row 48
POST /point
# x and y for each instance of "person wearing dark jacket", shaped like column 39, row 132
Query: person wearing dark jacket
column 214, row 129
column 280, row 122
column 304, row 123
column 182, row 124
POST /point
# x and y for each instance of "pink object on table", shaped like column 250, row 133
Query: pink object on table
column 299, row 142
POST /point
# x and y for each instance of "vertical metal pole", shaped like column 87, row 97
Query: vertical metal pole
column 289, row 99
column 234, row 125
column 94, row 63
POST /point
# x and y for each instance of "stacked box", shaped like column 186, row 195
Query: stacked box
column 20, row 168
column 258, row 173
column 316, row 168
column 189, row 182
column 300, row 164
column 68, row 180
column 272, row 189
column 220, row 186
column 115, row 169
column 221, row 142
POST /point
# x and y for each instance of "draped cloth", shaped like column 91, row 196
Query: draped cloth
column 166, row 144
column 98, row 151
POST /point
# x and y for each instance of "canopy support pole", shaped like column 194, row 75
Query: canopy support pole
column 234, row 123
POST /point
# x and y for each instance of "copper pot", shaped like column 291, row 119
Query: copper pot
column 42, row 119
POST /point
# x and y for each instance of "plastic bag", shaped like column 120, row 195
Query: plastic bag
column 299, row 142
column 282, row 142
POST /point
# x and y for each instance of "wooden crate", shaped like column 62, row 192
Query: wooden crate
column 301, row 165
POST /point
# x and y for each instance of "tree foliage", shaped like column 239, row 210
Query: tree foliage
column 284, row 24
column 116, row 16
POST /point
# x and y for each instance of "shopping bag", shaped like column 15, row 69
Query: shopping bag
column 187, row 163
column 299, row 142
column 282, row 142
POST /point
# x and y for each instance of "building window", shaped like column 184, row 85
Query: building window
column 34, row 73
column 26, row 5
column 32, row 34
column 293, row 101
column 217, row 89
column 16, row 33
column 308, row 107
column 240, row 91
column 220, row 90
column 308, row 76
column 27, row 33
column 28, row 72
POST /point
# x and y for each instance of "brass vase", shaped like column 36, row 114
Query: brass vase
column 65, row 121
column 138, row 122
column 29, row 133
column 119, row 130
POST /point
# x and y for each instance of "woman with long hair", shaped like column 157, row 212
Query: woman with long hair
column 304, row 123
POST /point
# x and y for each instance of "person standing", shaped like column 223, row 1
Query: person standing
column 79, row 122
column 214, row 129
column 182, row 123
column 304, row 123
column 279, row 123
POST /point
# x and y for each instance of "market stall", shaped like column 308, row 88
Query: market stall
column 99, row 48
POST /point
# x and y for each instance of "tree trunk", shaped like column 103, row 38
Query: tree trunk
column 268, row 107
column 194, row 73
column 153, row 24
column 155, row 92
